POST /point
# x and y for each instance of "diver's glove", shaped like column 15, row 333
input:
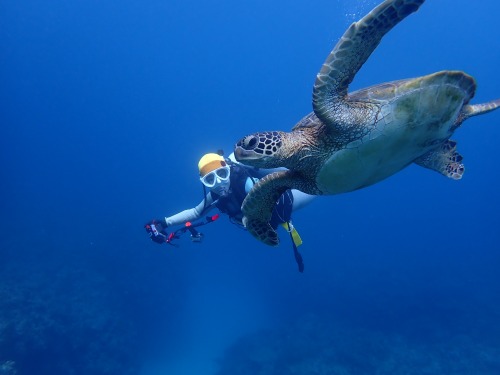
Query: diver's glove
column 156, row 230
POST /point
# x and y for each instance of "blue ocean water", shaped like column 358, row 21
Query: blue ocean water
column 106, row 108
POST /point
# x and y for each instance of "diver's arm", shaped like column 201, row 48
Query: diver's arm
column 249, row 183
column 191, row 214
column 301, row 199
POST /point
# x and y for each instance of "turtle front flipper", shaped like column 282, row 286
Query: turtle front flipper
column 351, row 52
column 445, row 160
column 259, row 204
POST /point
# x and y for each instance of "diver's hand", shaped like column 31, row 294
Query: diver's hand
column 156, row 230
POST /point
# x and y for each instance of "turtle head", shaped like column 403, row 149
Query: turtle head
column 260, row 149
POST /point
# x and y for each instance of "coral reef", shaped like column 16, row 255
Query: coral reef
column 8, row 368
column 66, row 317
column 66, row 311
column 321, row 346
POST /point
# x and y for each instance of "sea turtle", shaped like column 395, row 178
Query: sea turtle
column 353, row 140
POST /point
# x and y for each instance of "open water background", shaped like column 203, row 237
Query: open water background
column 106, row 108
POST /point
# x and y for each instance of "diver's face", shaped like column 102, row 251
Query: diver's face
column 218, row 180
column 221, row 187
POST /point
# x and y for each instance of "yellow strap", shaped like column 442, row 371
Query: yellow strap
column 295, row 235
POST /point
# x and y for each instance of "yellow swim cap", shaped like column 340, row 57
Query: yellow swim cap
column 210, row 162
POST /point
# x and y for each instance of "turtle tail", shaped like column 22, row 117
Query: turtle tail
column 470, row 110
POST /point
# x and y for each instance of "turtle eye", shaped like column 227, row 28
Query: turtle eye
column 248, row 143
column 252, row 142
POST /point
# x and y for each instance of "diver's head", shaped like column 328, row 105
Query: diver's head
column 214, row 173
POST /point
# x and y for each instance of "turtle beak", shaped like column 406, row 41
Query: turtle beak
column 241, row 154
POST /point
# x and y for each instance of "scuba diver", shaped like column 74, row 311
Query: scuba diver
column 228, row 182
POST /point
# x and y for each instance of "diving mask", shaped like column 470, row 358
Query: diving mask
column 219, row 176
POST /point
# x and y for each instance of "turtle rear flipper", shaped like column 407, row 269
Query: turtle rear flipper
column 477, row 109
column 445, row 160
